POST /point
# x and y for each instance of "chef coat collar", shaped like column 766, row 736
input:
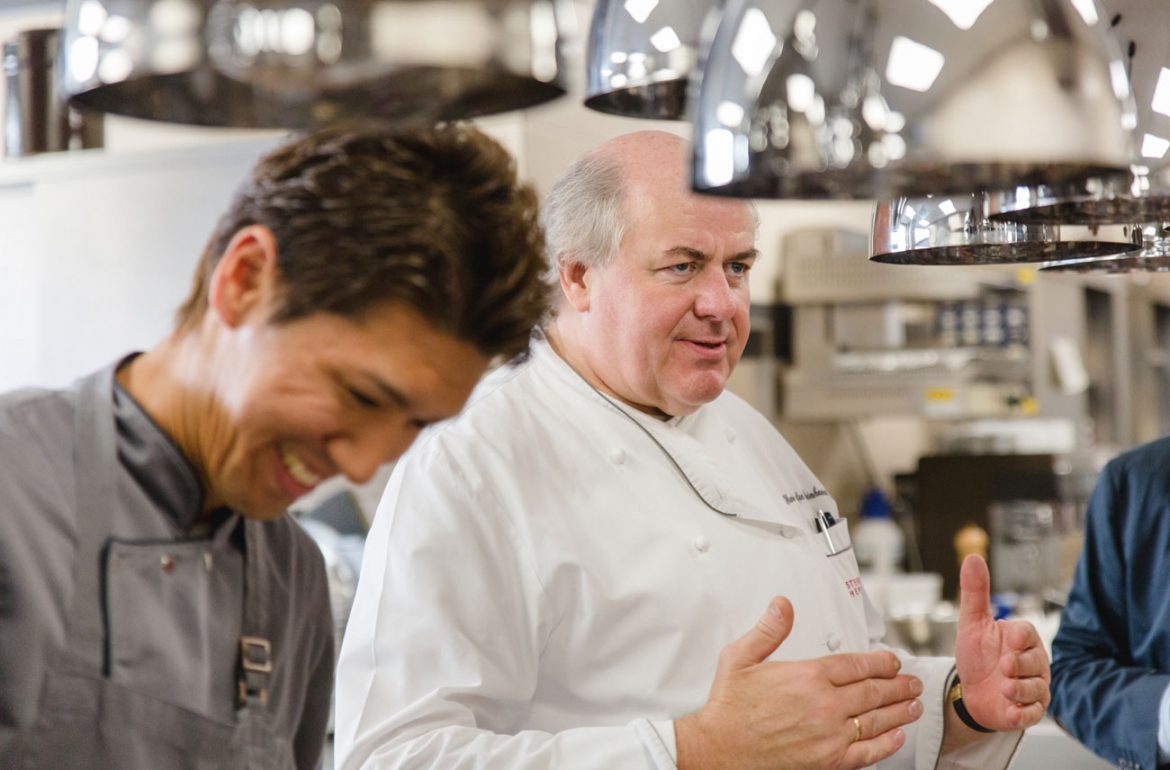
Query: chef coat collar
column 154, row 461
column 544, row 352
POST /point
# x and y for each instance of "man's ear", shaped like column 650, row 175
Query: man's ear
column 576, row 280
column 244, row 279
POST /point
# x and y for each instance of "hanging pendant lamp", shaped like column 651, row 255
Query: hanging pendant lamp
column 305, row 63
column 1153, row 257
column 641, row 54
column 957, row 230
column 890, row 98
column 1145, row 195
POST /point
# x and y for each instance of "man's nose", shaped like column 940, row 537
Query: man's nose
column 716, row 298
column 359, row 452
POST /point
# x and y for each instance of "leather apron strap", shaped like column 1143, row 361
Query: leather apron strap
column 256, row 653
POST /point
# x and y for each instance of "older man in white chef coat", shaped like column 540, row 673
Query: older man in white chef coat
column 563, row 576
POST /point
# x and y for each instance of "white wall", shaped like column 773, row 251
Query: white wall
column 98, row 249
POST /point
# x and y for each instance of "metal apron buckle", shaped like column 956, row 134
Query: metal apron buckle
column 255, row 666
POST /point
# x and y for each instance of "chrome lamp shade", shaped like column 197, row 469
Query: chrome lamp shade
column 641, row 54
column 306, row 63
column 1143, row 196
column 889, row 98
column 957, row 230
column 1153, row 257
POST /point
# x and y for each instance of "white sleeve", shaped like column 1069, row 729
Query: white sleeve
column 441, row 654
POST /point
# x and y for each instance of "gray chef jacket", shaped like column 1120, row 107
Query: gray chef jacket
column 133, row 635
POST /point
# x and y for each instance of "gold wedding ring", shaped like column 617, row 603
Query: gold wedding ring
column 856, row 729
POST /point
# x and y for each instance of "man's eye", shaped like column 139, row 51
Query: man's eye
column 682, row 267
column 361, row 399
column 739, row 268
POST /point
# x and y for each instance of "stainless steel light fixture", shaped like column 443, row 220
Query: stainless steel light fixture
column 889, row 98
column 957, row 230
column 303, row 63
column 1142, row 197
column 640, row 56
column 1153, row 257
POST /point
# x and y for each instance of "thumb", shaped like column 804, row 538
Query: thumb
column 974, row 590
column 762, row 640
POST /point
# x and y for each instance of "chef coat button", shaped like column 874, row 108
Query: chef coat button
column 833, row 642
column 731, row 435
column 617, row 456
column 702, row 544
column 168, row 564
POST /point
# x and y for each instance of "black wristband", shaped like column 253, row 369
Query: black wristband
column 955, row 696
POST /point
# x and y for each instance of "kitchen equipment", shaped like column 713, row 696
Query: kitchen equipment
column 869, row 340
column 307, row 63
column 1153, row 257
column 1140, row 199
column 640, row 56
column 956, row 490
column 930, row 632
column 36, row 116
column 1026, row 544
column 958, row 230
column 890, row 98
column 1142, row 195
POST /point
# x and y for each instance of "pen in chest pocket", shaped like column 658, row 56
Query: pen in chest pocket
column 830, row 526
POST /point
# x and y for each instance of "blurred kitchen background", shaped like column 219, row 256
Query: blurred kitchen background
column 947, row 409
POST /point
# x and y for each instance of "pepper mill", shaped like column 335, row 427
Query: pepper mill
column 970, row 539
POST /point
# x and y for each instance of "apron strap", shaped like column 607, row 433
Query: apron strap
column 255, row 669
column 94, row 461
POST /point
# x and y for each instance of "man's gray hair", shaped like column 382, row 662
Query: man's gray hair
column 584, row 214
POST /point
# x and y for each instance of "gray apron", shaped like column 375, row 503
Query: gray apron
column 93, row 714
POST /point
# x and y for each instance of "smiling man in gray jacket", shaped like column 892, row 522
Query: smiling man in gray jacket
column 158, row 609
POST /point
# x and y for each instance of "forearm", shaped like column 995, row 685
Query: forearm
column 956, row 735
column 636, row 746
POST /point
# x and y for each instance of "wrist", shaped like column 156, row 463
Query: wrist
column 692, row 744
column 955, row 699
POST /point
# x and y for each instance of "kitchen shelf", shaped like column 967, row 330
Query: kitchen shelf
column 80, row 164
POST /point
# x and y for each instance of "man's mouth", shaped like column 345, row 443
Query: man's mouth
column 297, row 469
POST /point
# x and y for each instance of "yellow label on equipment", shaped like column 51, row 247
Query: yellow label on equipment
column 940, row 394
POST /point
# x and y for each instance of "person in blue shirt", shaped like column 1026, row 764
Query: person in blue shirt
column 1111, row 655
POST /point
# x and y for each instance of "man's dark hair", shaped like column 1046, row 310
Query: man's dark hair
column 433, row 218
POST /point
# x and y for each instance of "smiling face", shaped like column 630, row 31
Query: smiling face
column 325, row 395
column 662, row 324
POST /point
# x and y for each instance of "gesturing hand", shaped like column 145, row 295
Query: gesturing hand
column 839, row 712
column 1002, row 664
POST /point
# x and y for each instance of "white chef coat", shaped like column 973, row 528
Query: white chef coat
column 543, row 588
